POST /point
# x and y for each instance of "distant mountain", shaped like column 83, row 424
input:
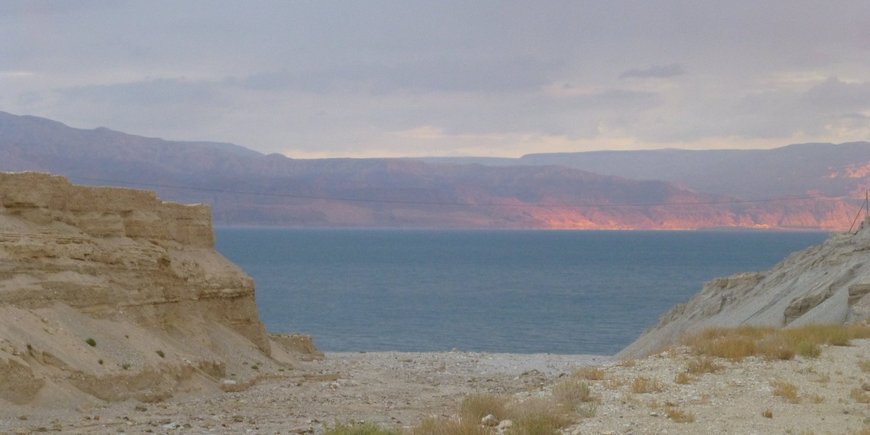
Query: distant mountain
column 794, row 170
column 247, row 187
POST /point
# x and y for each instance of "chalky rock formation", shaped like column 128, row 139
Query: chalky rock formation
column 824, row 284
column 112, row 294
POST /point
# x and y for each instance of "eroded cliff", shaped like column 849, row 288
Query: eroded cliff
column 826, row 284
column 109, row 294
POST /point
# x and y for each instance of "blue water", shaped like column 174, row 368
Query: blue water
column 497, row 291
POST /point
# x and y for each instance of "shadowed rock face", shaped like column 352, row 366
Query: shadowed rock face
column 828, row 283
column 112, row 293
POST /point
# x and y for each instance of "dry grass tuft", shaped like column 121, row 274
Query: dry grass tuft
column 645, row 385
column 537, row 417
column 679, row 416
column 771, row 343
column 816, row 398
column 859, row 395
column 859, row 331
column 572, row 392
column 589, row 373
column 767, row 413
column 683, row 378
column 359, row 429
column 449, row 426
column 786, row 390
column 702, row 365
column 627, row 363
column 476, row 406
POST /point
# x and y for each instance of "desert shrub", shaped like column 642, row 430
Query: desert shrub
column 589, row 373
column 645, row 385
column 572, row 392
column 786, row 390
column 161, row 354
column 359, row 429
column 91, row 342
column 449, row 426
column 476, row 406
column 767, row 413
column 677, row 415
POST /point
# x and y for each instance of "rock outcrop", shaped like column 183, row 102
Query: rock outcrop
column 110, row 294
column 828, row 283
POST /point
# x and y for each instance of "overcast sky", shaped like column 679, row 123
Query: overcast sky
column 409, row 78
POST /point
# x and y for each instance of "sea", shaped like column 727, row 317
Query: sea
column 560, row 292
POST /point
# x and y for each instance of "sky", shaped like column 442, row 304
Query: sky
column 325, row 78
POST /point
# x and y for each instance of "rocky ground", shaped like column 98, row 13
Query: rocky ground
column 399, row 389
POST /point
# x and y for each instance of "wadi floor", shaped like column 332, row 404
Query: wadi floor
column 823, row 395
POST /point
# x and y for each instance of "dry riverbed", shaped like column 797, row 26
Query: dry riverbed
column 825, row 394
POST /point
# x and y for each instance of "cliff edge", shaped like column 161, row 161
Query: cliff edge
column 111, row 294
column 827, row 283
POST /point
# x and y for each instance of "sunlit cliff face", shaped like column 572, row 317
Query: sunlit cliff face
column 831, row 215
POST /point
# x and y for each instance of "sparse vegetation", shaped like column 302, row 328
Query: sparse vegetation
column 786, row 390
column 161, row 354
column 859, row 395
column 772, row 343
column 864, row 365
column 702, row 365
column 677, row 415
column 642, row 385
column 448, row 426
column 589, row 373
column 767, row 413
column 125, row 366
column 537, row 417
column 91, row 342
column 571, row 393
column 477, row 406
column 359, row 429
column 683, row 378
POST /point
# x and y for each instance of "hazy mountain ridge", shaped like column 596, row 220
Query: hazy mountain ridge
column 247, row 187
column 793, row 170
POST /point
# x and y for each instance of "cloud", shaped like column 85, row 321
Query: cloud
column 655, row 71
column 337, row 78
column 145, row 93
column 511, row 74
column 840, row 96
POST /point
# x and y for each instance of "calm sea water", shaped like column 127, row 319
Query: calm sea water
column 497, row 291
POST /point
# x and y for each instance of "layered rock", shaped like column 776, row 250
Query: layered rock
column 828, row 283
column 110, row 293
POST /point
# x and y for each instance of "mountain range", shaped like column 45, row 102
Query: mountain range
column 806, row 186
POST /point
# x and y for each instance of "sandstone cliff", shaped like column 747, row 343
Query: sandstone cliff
column 828, row 283
column 110, row 294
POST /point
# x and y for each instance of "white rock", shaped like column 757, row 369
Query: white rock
column 489, row 420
